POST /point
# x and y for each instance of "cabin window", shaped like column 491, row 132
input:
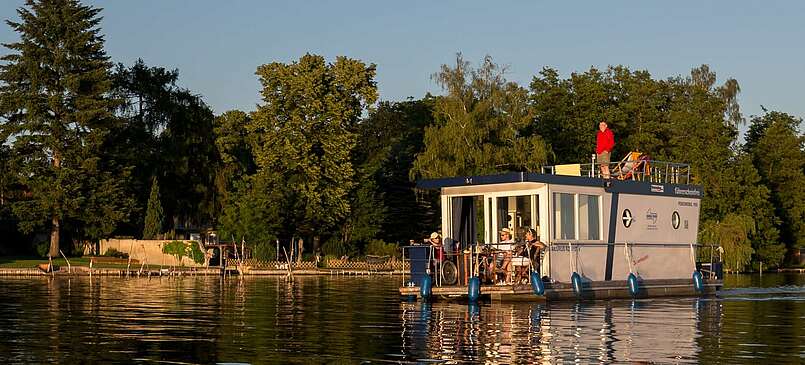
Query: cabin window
column 515, row 213
column 564, row 222
column 589, row 217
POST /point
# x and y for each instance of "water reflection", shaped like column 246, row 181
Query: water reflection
column 354, row 320
column 548, row 333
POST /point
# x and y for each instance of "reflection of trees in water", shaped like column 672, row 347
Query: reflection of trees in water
column 602, row 332
column 349, row 320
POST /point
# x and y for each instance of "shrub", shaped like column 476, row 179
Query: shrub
column 264, row 252
column 336, row 247
column 381, row 248
column 42, row 248
column 113, row 252
column 194, row 252
column 181, row 249
column 177, row 249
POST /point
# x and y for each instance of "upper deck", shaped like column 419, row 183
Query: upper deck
column 657, row 178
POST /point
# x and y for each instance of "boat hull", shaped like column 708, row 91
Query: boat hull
column 564, row 291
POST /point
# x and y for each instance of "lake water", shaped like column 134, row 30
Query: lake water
column 353, row 320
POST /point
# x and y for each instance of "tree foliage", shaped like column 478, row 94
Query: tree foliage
column 58, row 114
column 154, row 214
column 776, row 147
column 168, row 132
column 304, row 134
column 480, row 125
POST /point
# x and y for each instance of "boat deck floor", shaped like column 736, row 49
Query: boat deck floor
column 564, row 291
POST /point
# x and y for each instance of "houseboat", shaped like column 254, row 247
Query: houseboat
column 632, row 235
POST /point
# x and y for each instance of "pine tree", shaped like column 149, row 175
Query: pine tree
column 154, row 214
column 54, row 97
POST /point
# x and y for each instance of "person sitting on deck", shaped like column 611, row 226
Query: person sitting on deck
column 438, row 249
column 502, row 259
column 533, row 248
column 634, row 166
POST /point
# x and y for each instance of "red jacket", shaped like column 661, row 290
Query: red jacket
column 604, row 141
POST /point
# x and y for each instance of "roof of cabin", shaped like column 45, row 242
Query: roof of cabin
column 617, row 186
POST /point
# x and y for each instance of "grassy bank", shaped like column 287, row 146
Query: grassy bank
column 30, row 262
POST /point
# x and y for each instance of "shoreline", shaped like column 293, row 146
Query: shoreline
column 85, row 271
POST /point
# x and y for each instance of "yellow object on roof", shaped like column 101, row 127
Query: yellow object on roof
column 573, row 169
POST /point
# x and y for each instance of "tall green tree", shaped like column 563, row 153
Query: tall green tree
column 167, row 132
column 305, row 131
column 54, row 97
column 187, row 162
column 480, row 125
column 154, row 216
column 776, row 148
column 390, row 138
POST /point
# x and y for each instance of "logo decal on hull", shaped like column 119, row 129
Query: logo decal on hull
column 651, row 219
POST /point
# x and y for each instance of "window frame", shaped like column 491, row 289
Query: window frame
column 576, row 218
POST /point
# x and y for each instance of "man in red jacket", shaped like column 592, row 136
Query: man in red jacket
column 604, row 142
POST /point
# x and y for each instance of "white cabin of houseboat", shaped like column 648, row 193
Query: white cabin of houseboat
column 604, row 230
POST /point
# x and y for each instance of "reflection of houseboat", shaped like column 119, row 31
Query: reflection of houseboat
column 633, row 236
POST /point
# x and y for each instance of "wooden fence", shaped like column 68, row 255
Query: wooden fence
column 370, row 264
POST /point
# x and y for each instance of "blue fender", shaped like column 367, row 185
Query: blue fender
column 474, row 289
column 634, row 284
column 698, row 281
column 536, row 284
column 425, row 288
column 575, row 279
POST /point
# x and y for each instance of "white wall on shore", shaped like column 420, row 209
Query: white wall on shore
column 148, row 251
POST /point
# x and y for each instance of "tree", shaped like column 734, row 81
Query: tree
column 168, row 132
column 154, row 215
column 187, row 162
column 480, row 125
column 391, row 137
column 732, row 234
column 776, row 149
column 705, row 120
column 255, row 211
column 305, row 133
column 234, row 148
column 55, row 99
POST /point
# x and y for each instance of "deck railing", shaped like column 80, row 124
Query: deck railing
column 628, row 169
column 454, row 267
column 450, row 268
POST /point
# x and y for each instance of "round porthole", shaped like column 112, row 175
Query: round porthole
column 675, row 220
column 627, row 218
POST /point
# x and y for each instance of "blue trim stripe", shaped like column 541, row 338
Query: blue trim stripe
column 613, row 227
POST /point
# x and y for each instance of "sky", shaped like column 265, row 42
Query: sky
column 217, row 45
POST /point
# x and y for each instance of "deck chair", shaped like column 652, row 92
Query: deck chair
column 634, row 166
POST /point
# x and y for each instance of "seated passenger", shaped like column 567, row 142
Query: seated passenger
column 533, row 248
column 502, row 259
column 436, row 243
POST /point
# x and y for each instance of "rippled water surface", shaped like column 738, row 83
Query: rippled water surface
column 361, row 319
